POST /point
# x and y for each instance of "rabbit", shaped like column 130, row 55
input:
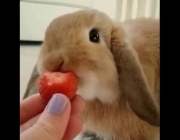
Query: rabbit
column 117, row 65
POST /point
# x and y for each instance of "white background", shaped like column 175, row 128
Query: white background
column 35, row 15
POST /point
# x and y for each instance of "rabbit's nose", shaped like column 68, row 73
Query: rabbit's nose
column 59, row 68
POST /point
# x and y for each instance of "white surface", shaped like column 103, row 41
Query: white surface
column 106, row 6
column 34, row 19
column 28, row 58
column 86, row 3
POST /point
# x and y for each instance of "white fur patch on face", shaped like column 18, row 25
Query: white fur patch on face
column 88, row 88
column 91, row 88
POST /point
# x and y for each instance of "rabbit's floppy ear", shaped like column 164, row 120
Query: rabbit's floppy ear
column 31, row 86
column 132, row 81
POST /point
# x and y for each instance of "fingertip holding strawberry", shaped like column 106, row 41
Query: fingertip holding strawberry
column 57, row 82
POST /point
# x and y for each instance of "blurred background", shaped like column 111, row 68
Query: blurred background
column 35, row 15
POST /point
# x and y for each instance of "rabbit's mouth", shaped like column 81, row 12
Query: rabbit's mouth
column 62, row 69
column 59, row 68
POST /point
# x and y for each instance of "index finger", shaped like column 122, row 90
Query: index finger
column 30, row 107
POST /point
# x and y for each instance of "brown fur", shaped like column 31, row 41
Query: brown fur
column 124, row 110
column 144, row 35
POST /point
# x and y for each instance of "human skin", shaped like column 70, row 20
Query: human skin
column 57, row 120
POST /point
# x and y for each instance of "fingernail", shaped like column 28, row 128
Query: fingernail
column 57, row 104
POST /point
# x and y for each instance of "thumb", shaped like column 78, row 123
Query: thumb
column 53, row 121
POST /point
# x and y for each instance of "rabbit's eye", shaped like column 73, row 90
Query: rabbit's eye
column 94, row 36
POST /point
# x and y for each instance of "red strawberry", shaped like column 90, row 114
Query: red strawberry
column 51, row 83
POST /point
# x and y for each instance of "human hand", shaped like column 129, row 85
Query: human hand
column 58, row 121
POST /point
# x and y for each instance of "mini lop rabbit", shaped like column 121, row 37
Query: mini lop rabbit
column 117, row 65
